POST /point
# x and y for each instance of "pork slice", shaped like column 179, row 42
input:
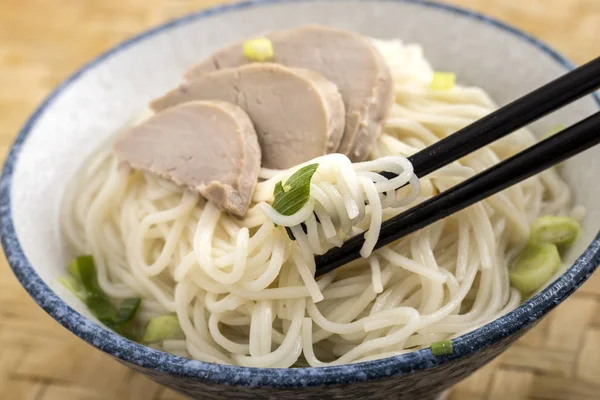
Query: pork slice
column 298, row 114
column 345, row 58
column 208, row 146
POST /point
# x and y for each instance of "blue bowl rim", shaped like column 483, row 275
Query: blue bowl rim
column 162, row 363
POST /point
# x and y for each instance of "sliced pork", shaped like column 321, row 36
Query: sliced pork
column 209, row 146
column 345, row 58
column 297, row 113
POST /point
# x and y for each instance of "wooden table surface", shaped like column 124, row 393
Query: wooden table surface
column 43, row 41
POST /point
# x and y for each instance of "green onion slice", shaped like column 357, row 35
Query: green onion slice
column 102, row 308
column 556, row 230
column 73, row 286
column 554, row 130
column 258, row 49
column 127, row 310
column 162, row 328
column 290, row 197
column 443, row 81
column 442, row 348
column 536, row 263
column 84, row 269
column 83, row 282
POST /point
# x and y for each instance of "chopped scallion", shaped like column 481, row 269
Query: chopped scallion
column 127, row 310
column 293, row 195
column 72, row 285
column 556, row 230
column 102, row 308
column 162, row 328
column 83, row 281
column 259, row 49
column 84, row 269
column 278, row 190
column 79, row 263
column 534, row 265
column 443, row 81
column 554, row 130
column 442, row 348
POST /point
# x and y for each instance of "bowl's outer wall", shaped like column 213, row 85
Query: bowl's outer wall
column 110, row 92
column 423, row 384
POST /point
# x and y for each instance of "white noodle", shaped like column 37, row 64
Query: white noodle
column 245, row 294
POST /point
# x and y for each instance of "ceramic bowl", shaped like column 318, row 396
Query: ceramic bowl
column 106, row 93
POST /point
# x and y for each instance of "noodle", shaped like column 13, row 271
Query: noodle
column 245, row 294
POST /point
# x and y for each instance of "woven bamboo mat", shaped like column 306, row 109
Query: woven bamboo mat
column 42, row 41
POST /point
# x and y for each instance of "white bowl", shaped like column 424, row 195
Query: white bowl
column 107, row 93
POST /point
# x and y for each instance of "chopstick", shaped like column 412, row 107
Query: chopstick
column 537, row 158
column 521, row 112
column 515, row 115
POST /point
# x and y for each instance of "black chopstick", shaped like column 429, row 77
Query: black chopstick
column 521, row 112
column 529, row 162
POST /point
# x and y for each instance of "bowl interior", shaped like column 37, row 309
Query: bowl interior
column 111, row 91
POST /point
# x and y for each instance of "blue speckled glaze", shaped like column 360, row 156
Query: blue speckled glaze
column 413, row 375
